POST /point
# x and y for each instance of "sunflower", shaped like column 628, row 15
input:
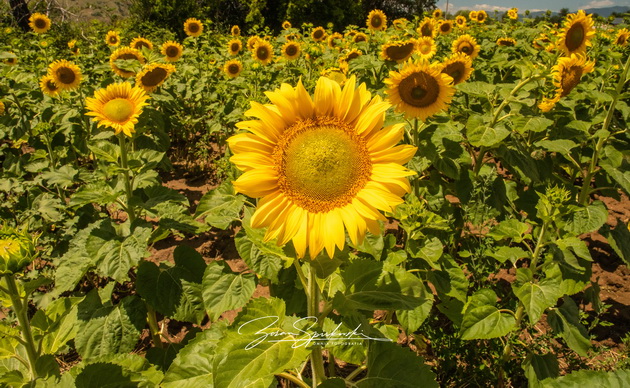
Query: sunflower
column 420, row 90
column 172, row 51
column 426, row 47
column 251, row 42
column 567, row 74
column 472, row 15
column 481, row 16
column 333, row 40
column 576, row 34
column 458, row 67
column 398, row 51
column 39, row 23
column 193, row 27
column 437, row 14
column 286, row 25
column 321, row 165
column 125, row 53
column 235, row 46
column 352, row 54
column 11, row 61
column 460, row 21
column 376, row 20
column 318, row 34
column 466, row 44
column 48, row 86
column 153, row 76
column 445, row 27
column 359, row 37
column 263, row 51
column 336, row 74
column 74, row 48
column 541, row 41
column 513, row 13
column 235, row 30
column 291, row 50
column 117, row 106
column 140, row 42
column 400, row 23
column 510, row 42
column 112, row 38
column 233, row 68
column 427, row 28
column 2, row 108
column 66, row 75
column 622, row 37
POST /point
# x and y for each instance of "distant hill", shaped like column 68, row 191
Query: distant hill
column 605, row 12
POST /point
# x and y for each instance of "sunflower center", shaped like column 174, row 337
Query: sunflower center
column 40, row 23
column 50, row 84
column 113, row 39
column 376, row 21
column 172, row 51
column 140, row 44
column 425, row 49
column 322, row 163
column 233, row 68
column 193, row 27
column 426, row 30
column 399, row 52
column 570, row 78
column 118, row 110
column 456, row 71
column 445, row 27
column 419, row 89
column 291, row 50
column 154, row 77
column 352, row 55
column 66, row 75
column 318, row 34
column 575, row 37
column 466, row 48
column 235, row 48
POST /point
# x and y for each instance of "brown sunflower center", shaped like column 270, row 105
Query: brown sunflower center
column 445, row 27
column 262, row 53
column 234, row 68
column 140, row 44
column 466, row 48
column 322, row 163
column 575, row 37
column 318, row 34
column 621, row 40
column 128, row 56
column 352, row 55
column 154, row 77
column 193, row 28
column 66, row 75
column 419, row 89
column 570, row 78
column 113, row 39
column 426, row 30
column 40, row 23
column 359, row 38
column 399, row 52
column 50, row 85
column 172, row 51
column 291, row 50
column 235, row 47
column 456, row 71
column 376, row 21
column 480, row 17
column 118, row 110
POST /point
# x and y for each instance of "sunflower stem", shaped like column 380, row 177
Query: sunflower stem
column 416, row 141
column 125, row 174
column 317, row 361
column 154, row 329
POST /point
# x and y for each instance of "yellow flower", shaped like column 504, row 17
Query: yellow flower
column 11, row 61
column 117, row 106
column 39, row 23
column 400, row 24
column 376, row 20
column 481, row 16
column 193, row 27
column 48, row 86
column 359, row 37
column 352, row 54
column 473, row 15
column 235, row 30
column 233, row 68
column 286, row 25
column 153, row 75
column 576, row 33
column 427, row 28
column 2, row 108
column 291, row 50
column 426, row 47
column 568, row 72
column 458, row 67
column 420, row 90
column 513, row 13
column 140, row 42
column 548, row 103
column 622, row 37
column 318, row 34
column 437, row 13
column 263, row 52
column 125, row 53
column 321, row 166
column 333, row 39
column 460, row 21
column 172, row 51
column 506, row 42
column 466, row 44
column 17, row 248
column 445, row 27
column 112, row 38
column 251, row 42
column 398, row 51
column 66, row 75
column 234, row 46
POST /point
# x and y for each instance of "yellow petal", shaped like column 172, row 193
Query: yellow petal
column 259, row 128
column 386, row 138
column 268, row 209
column 251, row 160
column 400, row 154
column 366, row 210
column 371, row 119
column 315, row 235
column 257, row 183
column 284, row 105
column 247, row 142
column 300, row 239
column 326, row 96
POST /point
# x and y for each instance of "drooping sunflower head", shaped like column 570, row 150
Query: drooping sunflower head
column 541, row 41
column 359, row 37
column 318, row 34
column 235, row 30
column 426, row 47
column 17, row 249
column 445, row 27
column 66, row 75
column 193, row 27
column 286, row 25
column 140, row 42
column 126, row 54
column 482, row 16
column 622, row 37
column 460, row 21
column 233, row 68
column 117, row 106
column 334, row 39
column 376, row 20
column 352, row 54
column 39, row 23
column 568, row 72
column 291, row 50
column 153, row 76
column 420, row 90
column 172, row 51
column 547, row 104
column 263, row 52
column 437, row 14
column 321, row 166
column 473, row 15
column 509, row 42
column 466, row 44
column 48, row 86
column 112, row 38
column 458, row 67
column 400, row 23
column 398, row 51
column 427, row 28
column 251, row 42
column 235, row 46
column 576, row 33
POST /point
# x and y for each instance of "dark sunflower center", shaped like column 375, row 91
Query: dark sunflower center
column 570, row 78
column 352, row 55
column 50, row 85
column 426, row 30
column 193, row 27
column 235, row 48
column 419, row 89
column 456, row 71
column 262, row 53
column 66, row 75
column 400, row 51
column 234, row 68
column 480, row 17
column 140, row 44
column 377, row 21
column 291, row 50
column 128, row 56
column 359, row 38
column 172, row 51
column 154, row 77
column 113, row 40
column 621, row 40
column 466, row 48
column 40, row 23
column 445, row 27
column 575, row 37
column 318, row 34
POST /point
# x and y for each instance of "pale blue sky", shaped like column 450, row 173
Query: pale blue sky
column 532, row 5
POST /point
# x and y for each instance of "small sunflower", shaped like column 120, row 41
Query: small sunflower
column 74, row 48
column 376, row 20
column 398, row 51
column 420, row 90
column 318, row 34
column 286, row 25
column 11, row 61
column 251, row 42
column 235, row 30
column 509, row 42
column 460, row 21
column 472, row 15
column 359, row 37
column 48, row 86
column 321, row 166
column 117, row 106
column 481, row 16
column 125, row 53
column 437, row 14
column 458, row 67
column 172, row 51
column 153, row 76
column 333, row 40
column 400, row 24
column 352, row 54
column 426, row 47
column 140, row 42
column 291, row 50
column 233, row 68
column 193, row 27
column 445, row 27
column 17, row 247
column 66, row 75
column 263, row 52
column 235, row 46
column 576, row 33
column 513, row 13
column 39, row 23
column 622, row 37
column 427, row 28
column 466, row 44
column 112, row 38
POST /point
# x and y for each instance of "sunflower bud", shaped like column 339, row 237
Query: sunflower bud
column 17, row 250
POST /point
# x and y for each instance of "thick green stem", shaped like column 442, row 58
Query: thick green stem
column 295, row 380
column 317, row 361
column 21, row 311
column 154, row 329
column 416, row 141
column 125, row 174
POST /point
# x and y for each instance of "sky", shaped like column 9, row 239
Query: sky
column 532, row 5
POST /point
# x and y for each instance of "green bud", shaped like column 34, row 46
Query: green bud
column 17, row 250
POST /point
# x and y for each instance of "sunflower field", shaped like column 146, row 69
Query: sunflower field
column 420, row 202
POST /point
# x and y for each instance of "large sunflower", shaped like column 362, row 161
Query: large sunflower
column 233, row 68
column 427, row 28
column 420, row 90
column 153, row 75
column 112, row 38
column 321, row 166
column 39, row 23
column 172, row 51
column 426, row 47
column 622, row 37
column 318, row 34
column 66, row 75
column 398, row 51
column 125, row 53
column 576, row 34
column 291, row 50
column 117, row 106
column 376, row 20
column 193, row 27
column 458, row 67
column 48, row 86
column 263, row 51
column 466, row 44
column 140, row 42
column 234, row 46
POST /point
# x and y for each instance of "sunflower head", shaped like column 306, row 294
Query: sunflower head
column 2, row 108
column 251, row 42
column 263, row 52
column 11, row 61
column 568, row 72
column 321, row 166
column 352, row 54
column 291, row 50
column 359, row 37
column 286, row 25
column 376, row 20
column 398, row 51
column 513, row 13
column 48, row 86
column 420, row 90
column 318, row 34
column 235, row 46
column 466, row 44
column 509, row 42
column 333, row 40
column 458, row 67
column 172, row 51
column 622, row 37
column 152, row 76
column 193, row 27
column 127, row 54
column 235, row 30
column 17, row 250
column 66, row 75
column 460, row 21
column 445, row 27
column 472, row 15
column 576, row 33
column 427, row 28
column 437, row 14
column 112, row 38
column 140, row 42
column 117, row 106
column 233, row 68
column 426, row 47
column 481, row 16
column 39, row 23
column 400, row 24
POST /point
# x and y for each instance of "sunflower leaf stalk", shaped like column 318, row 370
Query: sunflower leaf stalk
column 124, row 164
column 317, row 361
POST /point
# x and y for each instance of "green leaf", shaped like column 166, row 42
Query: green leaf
column 513, row 254
column 100, row 193
column 566, row 322
column 428, row 250
column 106, row 151
column 586, row 219
column 539, row 367
column 531, row 124
column 509, row 229
column 563, row 146
column 64, row 176
column 451, row 281
column 486, row 136
column 224, row 290
column 123, row 370
column 536, row 297
column 477, row 88
column 620, row 176
column 590, row 378
column 482, row 320
column 220, row 206
column 411, row 320
column 619, row 239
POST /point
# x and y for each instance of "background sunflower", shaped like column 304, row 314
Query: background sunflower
column 193, row 27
